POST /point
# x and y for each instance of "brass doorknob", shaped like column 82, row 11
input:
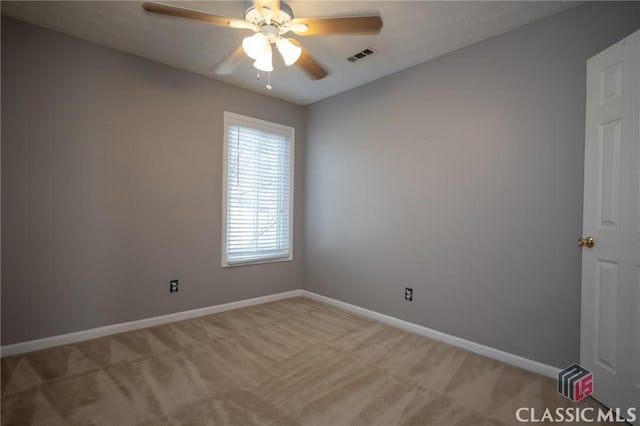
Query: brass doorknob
column 586, row 241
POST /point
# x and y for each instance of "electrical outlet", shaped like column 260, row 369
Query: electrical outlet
column 408, row 294
column 173, row 286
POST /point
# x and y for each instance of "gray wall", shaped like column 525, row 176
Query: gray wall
column 462, row 178
column 111, row 186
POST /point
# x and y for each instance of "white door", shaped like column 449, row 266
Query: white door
column 610, row 335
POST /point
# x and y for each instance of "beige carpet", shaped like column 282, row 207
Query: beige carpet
column 292, row 362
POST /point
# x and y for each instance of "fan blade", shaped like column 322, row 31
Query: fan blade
column 309, row 65
column 165, row 9
column 230, row 62
column 348, row 25
column 272, row 5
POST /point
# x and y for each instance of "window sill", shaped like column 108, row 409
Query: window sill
column 256, row 262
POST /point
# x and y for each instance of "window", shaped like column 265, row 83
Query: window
column 258, row 191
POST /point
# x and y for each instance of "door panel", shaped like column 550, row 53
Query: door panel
column 609, row 171
column 606, row 311
column 610, row 316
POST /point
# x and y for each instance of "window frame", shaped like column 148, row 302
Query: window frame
column 231, row 118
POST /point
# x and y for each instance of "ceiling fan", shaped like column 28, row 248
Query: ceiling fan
column 271, row 20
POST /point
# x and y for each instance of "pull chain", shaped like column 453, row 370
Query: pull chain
column 268, row 86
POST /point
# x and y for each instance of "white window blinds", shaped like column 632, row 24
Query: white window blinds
column 259, row 181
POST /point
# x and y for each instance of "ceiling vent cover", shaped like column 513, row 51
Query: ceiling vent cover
column 361, row 55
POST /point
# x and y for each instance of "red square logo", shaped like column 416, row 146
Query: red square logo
column 583, row 387
column 575, row 382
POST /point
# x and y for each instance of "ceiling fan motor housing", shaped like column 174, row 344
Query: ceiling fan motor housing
column 254, row 17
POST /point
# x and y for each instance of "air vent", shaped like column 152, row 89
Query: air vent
column 361, row 55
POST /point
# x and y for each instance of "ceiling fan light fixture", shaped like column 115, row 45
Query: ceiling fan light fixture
column 289, row 51
column 254, row 46
column 264, row 62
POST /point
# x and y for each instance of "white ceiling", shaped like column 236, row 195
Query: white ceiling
column 413, row 32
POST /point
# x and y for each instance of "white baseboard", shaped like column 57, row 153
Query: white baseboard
column 489, row 352
column 79, row 336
